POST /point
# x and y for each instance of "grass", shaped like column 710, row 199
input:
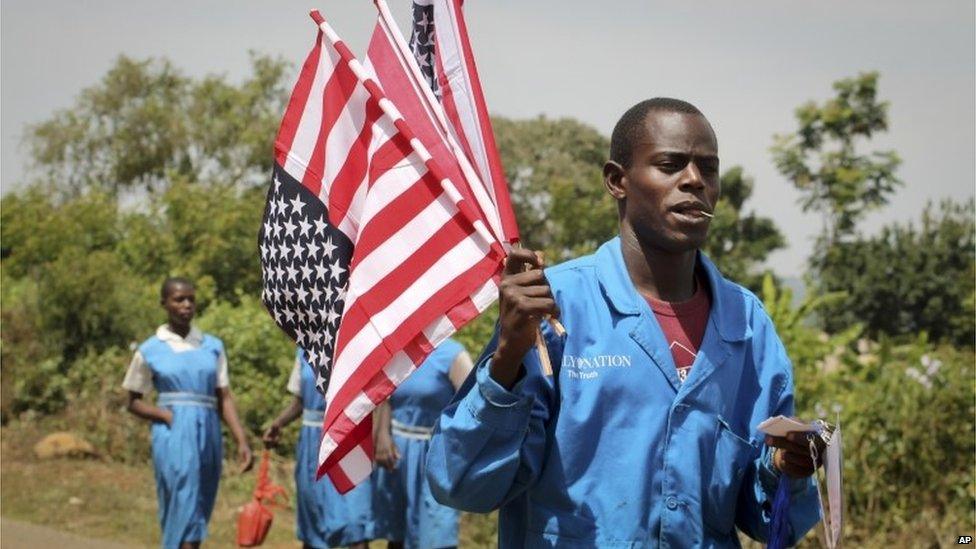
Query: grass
column 116, row 501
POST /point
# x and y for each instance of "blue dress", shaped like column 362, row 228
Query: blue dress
column 325, row 517
column 187, row 454
column 405, row 509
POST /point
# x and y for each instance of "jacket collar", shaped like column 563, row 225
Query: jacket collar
column 728, row 302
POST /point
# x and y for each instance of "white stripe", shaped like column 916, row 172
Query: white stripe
column 356, row 465
column 381, row 132
column 326, row 447
column 448, row 267
column 342, row 136
column 359, row 408
column 399, row 368
column 458, row 79
column 307, row 133
column 397, row 249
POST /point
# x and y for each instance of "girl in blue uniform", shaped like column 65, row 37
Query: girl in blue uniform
column 405, row 510
column 325, row 517
column 188, row 370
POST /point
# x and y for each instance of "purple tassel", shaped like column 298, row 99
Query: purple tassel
column 779, row 526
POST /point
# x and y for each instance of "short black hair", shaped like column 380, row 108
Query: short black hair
column 631, row 125
column 171, row 281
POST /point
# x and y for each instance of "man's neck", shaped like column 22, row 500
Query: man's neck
column 656, row 273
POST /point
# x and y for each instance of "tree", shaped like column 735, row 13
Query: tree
column 908, row 279
column 146, row 122
column 554, row 170
column 823, row 162
column 738, row 242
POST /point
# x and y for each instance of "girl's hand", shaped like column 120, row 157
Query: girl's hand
column 387, row 453
column 271, row 435
column 245, row 460
column 167, row 417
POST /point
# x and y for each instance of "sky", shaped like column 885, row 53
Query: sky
column 747, row 65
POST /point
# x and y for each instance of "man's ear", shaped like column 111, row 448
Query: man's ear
column 614, row 179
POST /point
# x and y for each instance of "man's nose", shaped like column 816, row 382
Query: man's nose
column 691, row 178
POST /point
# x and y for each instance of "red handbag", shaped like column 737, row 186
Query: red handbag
column 254, row 521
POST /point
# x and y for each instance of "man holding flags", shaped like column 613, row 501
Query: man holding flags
column 645, row 434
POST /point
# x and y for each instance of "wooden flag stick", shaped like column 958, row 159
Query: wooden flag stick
column 540, row 342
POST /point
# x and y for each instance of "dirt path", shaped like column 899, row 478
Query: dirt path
column 22, row 535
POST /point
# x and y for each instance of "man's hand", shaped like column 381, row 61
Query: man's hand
column 272, row 435
column 524, row 299
column 791, row 454
column 387, row 453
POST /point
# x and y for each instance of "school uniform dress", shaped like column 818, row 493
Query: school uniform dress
column 186, row 373
column 325, row 518
column 405, row 509
column 614, row 449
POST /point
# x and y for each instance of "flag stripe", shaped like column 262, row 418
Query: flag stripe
column 296, row 105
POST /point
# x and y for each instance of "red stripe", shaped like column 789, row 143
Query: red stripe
column 338, row 477
column 353, row 170
column 395, row 215
column 296, row 105
column 463, row 312
column 348, row 435
column 400, row 279
column 336, row 98
column 452, row 293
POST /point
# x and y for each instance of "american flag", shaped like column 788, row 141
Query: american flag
column 371, row 253
column 439, row 42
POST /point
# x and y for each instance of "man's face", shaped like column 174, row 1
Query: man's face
column 672, row 182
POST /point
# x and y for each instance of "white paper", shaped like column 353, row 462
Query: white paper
column 835, row 493
column 779, row 426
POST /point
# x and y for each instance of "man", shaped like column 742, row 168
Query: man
column 645, row 433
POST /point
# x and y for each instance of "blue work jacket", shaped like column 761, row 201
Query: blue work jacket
column 612, row 450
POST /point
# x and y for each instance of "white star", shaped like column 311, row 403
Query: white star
column 341, row 294
column 329, row 292
column 302, row 294
column 297, row 205
column 320, row 224
column 277, row 184
column 292, row 272
column 305, row 225
column 337, row 271
column 287, row 296
column 297, row 251
column 289, row 226
column 333, row 315
column 329, row 247
column 316, row 293
column 321, row 271
column 289, row 314
column 313, row 249
column 306, row 272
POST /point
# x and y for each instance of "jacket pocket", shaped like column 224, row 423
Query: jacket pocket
column 732, row 459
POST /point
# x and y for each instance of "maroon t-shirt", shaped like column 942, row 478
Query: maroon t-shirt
column 683, row 325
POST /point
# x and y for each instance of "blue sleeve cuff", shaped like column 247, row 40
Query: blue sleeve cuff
column 498, row 407
column 769, row 476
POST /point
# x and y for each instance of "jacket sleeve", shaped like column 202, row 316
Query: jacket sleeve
column 490, row 442
column 753, row 512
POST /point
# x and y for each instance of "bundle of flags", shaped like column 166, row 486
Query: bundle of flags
column 388, row 217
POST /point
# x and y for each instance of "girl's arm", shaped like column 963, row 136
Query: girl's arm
column 228, row 412
column 140, row 408
column 273, row 433
column 387, row 453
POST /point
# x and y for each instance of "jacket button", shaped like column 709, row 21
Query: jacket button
column 672, row 503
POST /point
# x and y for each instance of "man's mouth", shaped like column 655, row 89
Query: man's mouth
column 692, row 211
